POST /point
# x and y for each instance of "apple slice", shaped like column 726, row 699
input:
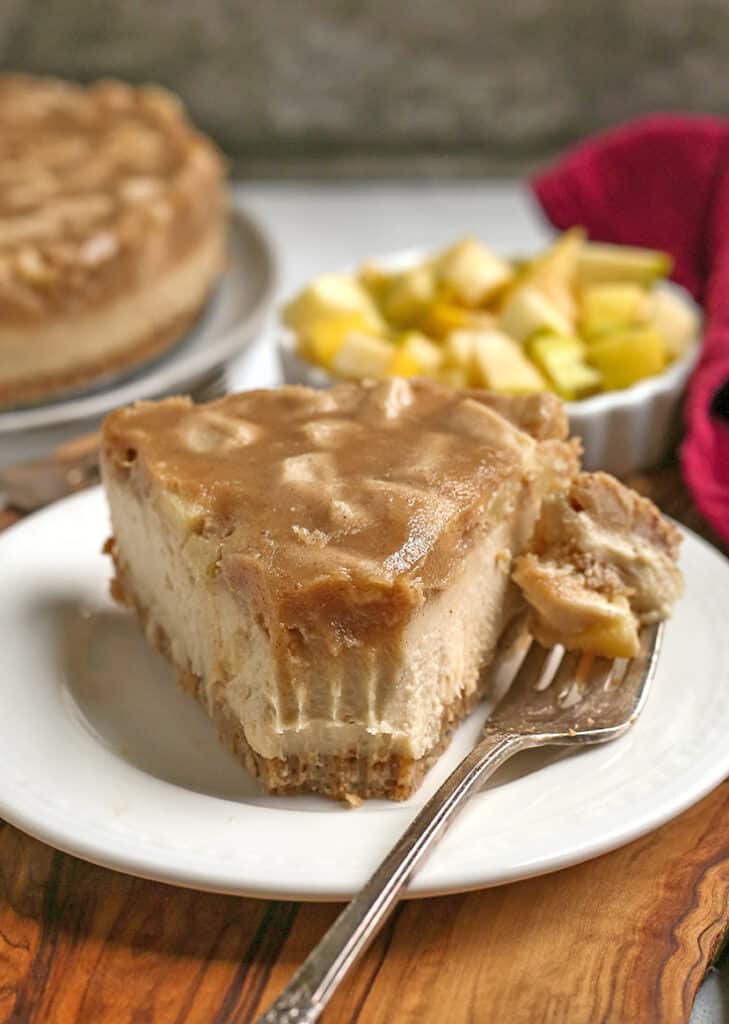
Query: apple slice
column 625, row 357
column 409, row 294
column 331, row 297
column 427, row 355
column 471, row 273
column 600, row 262
column 675, row 320
column 562, row 362
column 500, row 364
column 528, row 310
column 554, row 272
column 609, row 306
column 363, row 355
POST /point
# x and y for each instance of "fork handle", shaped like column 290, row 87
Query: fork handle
column 313, row 985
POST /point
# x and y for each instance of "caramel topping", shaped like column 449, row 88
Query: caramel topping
column 344, row 505
column 85, row 176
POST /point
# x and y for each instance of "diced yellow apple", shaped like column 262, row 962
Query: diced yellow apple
column 575, row 380
column 376, row 280
column 326, row 337
column 363, row 355
column 554, row 272
column 453, row 377
column 527, row 311
column 599, row 262
column 443, row 317
column 561, row 258
column 409, row 294
column 568, row 346
column 427, row 355
column 561, row 360
column 610, row 639
column 329, row 297
column 403, row 365
column 610, row 306
column 458, row 350
column 675, row 320
column 501, row 365
column 625, row 357
column 471, row 273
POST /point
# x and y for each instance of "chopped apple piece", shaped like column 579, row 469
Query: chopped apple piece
column 425, row 352
column 442, row 317
column 500, row 364
column 325, row 338
column 376, row 280
column 555, row 271
column 403, row 365
column 610, row 306
column 675, row 320
column 562, row 362
column 328, row 297
column 599, row 262
column 363, row 355
column 458, row 349
column 625, row 357
column 527, row 311
column 471, row 273
column 567, row 345
column 575, row 380
column 410, row 293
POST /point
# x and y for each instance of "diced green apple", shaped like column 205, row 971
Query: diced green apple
column 562, row 362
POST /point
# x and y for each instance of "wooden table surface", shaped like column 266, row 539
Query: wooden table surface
column 624, row 938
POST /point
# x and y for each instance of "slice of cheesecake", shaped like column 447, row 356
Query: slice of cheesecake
column 330, row 572
column 601, row 563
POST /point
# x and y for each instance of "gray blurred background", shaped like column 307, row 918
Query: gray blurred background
column 297, row 88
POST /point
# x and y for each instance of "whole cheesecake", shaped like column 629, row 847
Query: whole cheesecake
column 112, row 230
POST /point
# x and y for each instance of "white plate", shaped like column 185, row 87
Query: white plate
column 103, row 757
column 229, row 322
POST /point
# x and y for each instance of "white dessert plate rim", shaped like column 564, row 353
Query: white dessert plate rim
column 72, row 779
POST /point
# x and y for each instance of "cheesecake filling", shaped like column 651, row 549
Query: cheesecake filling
column 376, row 699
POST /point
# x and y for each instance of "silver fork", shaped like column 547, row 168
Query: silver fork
column 555, row 698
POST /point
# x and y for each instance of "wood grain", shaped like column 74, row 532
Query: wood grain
column 624, row 938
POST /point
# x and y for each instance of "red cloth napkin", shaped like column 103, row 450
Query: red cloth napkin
column 663, row 182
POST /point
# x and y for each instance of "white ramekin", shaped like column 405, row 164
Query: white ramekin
column 621, row 431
